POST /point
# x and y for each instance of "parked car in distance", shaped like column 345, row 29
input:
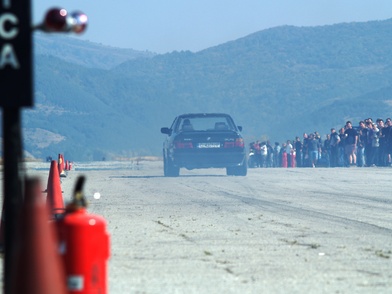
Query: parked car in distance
column 204, row 140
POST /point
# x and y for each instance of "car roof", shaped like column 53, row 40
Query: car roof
column 190, row 115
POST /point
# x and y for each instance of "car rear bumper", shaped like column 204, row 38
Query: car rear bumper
column 192, row 160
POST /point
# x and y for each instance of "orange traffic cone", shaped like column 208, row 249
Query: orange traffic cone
column 38, row 267
column 61, row 166
column 54, row 198
column 50, row 178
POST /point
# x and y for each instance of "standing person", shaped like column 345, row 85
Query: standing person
column 289, row 151
column 264, row 154
column 351, row 142
column 270, row 154
column 256, row 148
column 374, row 134
column 283, row 155
column 298, row 151
column 382, row 141
column 362, row 141
column 342, row 156
column 313, row 149
column 334, row 143
column 305, row 155
column 368, row 146
column 318, row 137
column 326, row 152
column 277, row 156
column 388, row 140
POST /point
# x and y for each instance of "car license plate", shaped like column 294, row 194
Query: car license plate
column 208, row 145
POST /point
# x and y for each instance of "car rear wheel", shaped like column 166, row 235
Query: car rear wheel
column 240, row 170
column 169, row 169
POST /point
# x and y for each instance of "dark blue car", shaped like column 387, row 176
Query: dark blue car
column 204, row 140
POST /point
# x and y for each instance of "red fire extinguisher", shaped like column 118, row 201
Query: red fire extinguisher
column 84, row 245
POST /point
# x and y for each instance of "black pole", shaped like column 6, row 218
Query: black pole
column 12, row 183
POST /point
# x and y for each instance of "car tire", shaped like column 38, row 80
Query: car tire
column 169, row 169
column 240, row 170
column 229, row 171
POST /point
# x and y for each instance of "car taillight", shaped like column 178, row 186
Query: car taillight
column 183, row 145
column 239, row 142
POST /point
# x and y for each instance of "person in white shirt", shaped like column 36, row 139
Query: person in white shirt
column 289, row 149
column 264, row 153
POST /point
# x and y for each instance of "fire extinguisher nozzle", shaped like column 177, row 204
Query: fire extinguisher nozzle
column 79, row 184
column 79, row 200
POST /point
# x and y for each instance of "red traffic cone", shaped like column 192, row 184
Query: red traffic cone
column 61, row 166
column 38, row 267
column 54, row 198
column 50, row 178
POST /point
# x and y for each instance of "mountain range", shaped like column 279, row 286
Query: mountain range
column 95, row 102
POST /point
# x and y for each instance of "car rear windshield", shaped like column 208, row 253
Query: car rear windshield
column 215, row 123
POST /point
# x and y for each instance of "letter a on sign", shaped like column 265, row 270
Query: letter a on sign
column 16, row 81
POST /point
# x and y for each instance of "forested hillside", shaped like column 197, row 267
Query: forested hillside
column 277, row 83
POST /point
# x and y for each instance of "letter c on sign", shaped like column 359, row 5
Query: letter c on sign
column 12, row 32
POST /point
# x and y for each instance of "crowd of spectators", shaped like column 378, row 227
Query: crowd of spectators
column 367, row 144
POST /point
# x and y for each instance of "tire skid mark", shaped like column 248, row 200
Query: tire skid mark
column 275, row 207
column 278, row 206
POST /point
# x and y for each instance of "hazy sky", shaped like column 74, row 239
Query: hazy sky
column 166, row 25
